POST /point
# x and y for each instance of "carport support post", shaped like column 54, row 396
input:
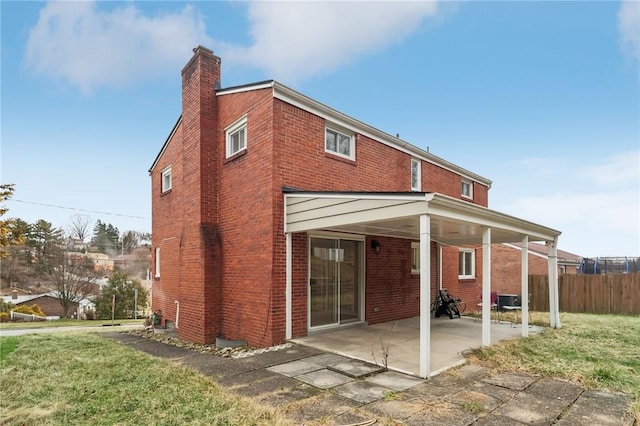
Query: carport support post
column 288, row 311
column 425, row 296
column 486, row 287
column 524, row 303
column 554, row 304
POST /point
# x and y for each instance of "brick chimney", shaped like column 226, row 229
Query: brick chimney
column 14, row 294
column 200, row 284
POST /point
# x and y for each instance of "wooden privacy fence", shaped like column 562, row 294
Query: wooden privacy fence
column 596, row 294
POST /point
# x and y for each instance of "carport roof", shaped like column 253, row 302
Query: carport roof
column 396, row 214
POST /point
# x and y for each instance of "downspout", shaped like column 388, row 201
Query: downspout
column 177, row 313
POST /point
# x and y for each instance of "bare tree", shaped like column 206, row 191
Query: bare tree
column 74, row 279
column 79, row 227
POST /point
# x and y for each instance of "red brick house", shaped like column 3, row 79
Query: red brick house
column 275, row 216
column 505, row 265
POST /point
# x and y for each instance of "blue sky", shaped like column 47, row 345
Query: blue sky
column 543, row 98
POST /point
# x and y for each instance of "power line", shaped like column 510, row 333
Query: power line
column 76, row 209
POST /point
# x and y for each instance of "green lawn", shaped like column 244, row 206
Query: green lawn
column 66, row 322
column 83, row 378
column 599, row 351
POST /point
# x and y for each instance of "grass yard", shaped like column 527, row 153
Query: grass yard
column 83, row 378
column 66, row 322
column 599, row 351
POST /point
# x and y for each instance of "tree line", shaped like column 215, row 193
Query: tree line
column 40, row 257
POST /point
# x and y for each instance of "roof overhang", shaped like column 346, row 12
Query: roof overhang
column 453, row 222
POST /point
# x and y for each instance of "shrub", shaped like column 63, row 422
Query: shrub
column 30, row 310
column 4, row 317
column 5, row 306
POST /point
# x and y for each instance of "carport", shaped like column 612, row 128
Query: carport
column 425, row 217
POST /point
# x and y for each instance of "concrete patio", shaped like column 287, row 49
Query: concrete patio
column 449, row 339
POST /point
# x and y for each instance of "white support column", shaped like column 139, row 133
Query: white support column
column 524, row 267
column 425, row 296
column 288, row 291
column 486, row 287
column 554, row 303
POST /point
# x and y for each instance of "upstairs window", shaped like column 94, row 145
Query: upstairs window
column 339, row 143
column 467, row 263
column 416, row 178
column 166, row 179
column 467, row 189
column 236, row 135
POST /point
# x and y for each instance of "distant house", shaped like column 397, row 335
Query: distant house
column 506, row 261
column 49, row 303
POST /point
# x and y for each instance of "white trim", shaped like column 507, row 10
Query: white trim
column 417, row 187
column 288, row 287
column 232, row 129
column 166, row 172
column 486, row 286
column 524, row 283
column 472, row 252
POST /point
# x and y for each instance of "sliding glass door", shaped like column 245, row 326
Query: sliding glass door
column 335, row 281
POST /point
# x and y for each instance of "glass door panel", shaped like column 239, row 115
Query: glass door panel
column 349, row 276
column 323, row 282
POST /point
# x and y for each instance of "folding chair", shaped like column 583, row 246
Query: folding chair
column 494, row 303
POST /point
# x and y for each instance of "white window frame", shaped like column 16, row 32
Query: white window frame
column 469, row 185
column 166, row 173
column 417, row 185
column 415, row 258
column 237, row 127
column 157, row 263
column 339, row 132
column 467, row 274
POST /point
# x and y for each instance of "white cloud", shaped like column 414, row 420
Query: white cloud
column 595, row 204
column 629, row 26
column 84, row 46
column 296, row 40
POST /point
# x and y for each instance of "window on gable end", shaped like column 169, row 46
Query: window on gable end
column 236, row 136
column 416, row 175
column 166, row 179
column 467, row 189
column 340, row 143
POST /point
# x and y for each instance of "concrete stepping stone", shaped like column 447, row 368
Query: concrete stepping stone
column 443, row 413
column 532, row 409
column 361, row 391
column 517, row 382
column 294, row 368
column 475, row 399
column 554, row 388
column 498, row 392
column 355, row 368
column 393, row 406
column 324, row 379
column 326, row 359
column 599, row 408
column 394, row 381
column 324, row 406
column 282, row 398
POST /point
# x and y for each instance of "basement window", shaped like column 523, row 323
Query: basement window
column 236, row 135
column 466, row 264
column 166, row 179
column 339, row 143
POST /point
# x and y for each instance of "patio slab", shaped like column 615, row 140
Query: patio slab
column 324, row 379
column 394, row 381
column 442, row 413
column 355, row 368
column 394, row 408
column 555, row 388
column 294, row 368
column 321, row 408
column 599, row 408
column 532, row 409
column 362, row 391
column 517, row 382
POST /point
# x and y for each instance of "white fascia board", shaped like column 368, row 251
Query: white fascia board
column 306, row 196
column 513, row 246
column 445, row 206
column 166, row 143
column 245, row 88
column 308, row 104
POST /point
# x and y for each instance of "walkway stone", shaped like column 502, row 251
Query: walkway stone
column 361, row 391
column 395, row 407
column 323, row 407
column 324, row 379
column 532, row 409
column 295, row 368
column 599, row 408
column 355, row 368
column 394, row 381
column 512, row 381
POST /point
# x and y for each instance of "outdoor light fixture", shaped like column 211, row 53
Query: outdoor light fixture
column 375, row 244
